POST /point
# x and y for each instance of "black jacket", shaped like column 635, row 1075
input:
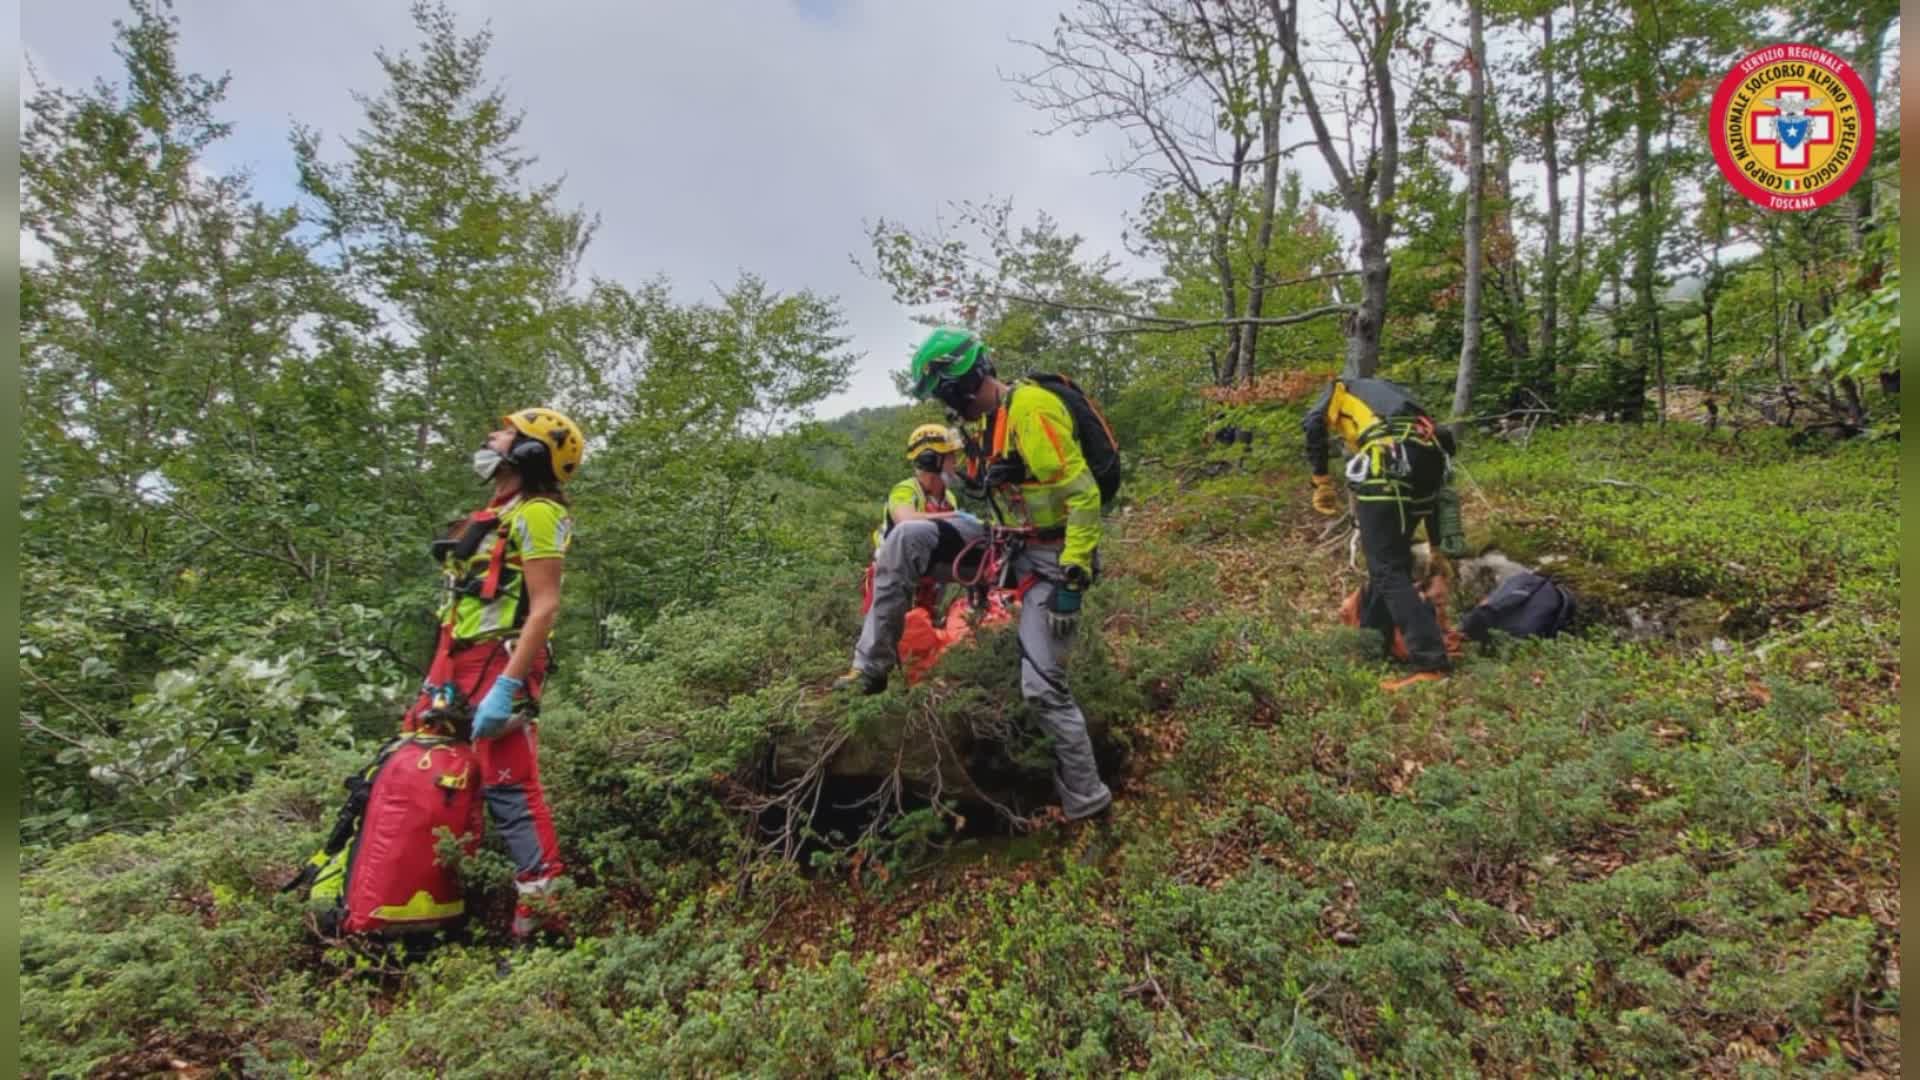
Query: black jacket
column 1524, row 605
column 1350, row 408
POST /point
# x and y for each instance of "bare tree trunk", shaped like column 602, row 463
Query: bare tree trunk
column 1229, row 373
column 1579, row 266
column 1363, row 328
column 1773, row 261
column 1856, row 408
column 1619, row 317
column 1550, row 283
column 1869, row 63
column 1646, row 237
column 1223, row 266
column 1872, row 37
column 1510, row 314
column 1369, row 196
column 1263, row 236
column 1709, row 298
column 1578, row 269
column 1476, row 200
column 1659, row 369
column 1364, row 356
column 1654, row 111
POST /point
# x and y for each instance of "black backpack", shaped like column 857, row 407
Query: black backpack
column 1090, row 430
column 1525, row 605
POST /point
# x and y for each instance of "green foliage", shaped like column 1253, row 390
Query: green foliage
column 1582, row 854
column 1037, row 300
column 1603, row 854
column 136, row 943
column 704, row 468
column 1303, row 245
column 1754, row 521
column 1863, row 340
column 434, row 217
column 214, row 724
column 235, row 466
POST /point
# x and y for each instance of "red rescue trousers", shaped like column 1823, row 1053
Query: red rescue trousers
column 509, row 766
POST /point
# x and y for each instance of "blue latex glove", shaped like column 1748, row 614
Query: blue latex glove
column 962, row 515
column 491, row 715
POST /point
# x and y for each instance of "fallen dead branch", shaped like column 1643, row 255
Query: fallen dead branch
column 1760, row 651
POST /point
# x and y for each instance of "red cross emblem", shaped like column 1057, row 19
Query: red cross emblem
column 1773, row 127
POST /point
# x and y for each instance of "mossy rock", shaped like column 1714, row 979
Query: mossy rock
column 964, row 732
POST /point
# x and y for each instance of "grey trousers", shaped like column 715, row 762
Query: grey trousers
column 914, row 550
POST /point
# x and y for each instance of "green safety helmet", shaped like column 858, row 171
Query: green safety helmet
column 949, row 355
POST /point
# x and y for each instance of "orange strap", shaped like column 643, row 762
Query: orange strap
column 491, row 587
column 1026, row 583
column 441, row 669
column 1059, row 451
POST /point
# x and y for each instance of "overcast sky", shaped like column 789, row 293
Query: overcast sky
column 710, row 136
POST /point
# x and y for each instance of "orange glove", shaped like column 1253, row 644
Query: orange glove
column 1325, row 500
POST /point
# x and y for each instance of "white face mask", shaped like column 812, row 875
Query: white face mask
column 951, row 479
column 486, row 462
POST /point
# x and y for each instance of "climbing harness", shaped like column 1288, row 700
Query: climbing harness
column 997, row 551
column 1382, row 468
column 451, row 705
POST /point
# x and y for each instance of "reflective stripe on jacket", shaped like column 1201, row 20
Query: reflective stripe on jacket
column 1059, row 491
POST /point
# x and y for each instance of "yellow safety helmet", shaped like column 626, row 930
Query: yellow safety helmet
column 550, row 435
column 934, row 437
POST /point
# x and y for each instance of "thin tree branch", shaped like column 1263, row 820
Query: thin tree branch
column 258, row 553
column 1273, row 284
column 70, row 703
column 1282, row 154
column 1180, row 325
column 1169, row 322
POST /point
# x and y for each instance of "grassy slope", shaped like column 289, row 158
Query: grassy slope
column 1579, row 855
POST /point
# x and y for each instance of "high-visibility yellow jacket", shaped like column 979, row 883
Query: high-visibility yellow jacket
column 1059, row 495
column 909, row 493
column 530, row 529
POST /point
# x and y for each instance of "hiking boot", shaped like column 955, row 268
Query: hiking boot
column 532, row 926
column 867, row 684
column 1394, row 686
column 1092, row 836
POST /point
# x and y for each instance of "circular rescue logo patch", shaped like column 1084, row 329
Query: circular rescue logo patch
column 1792, row 127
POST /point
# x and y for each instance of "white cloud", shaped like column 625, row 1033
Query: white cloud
column 710, row 138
